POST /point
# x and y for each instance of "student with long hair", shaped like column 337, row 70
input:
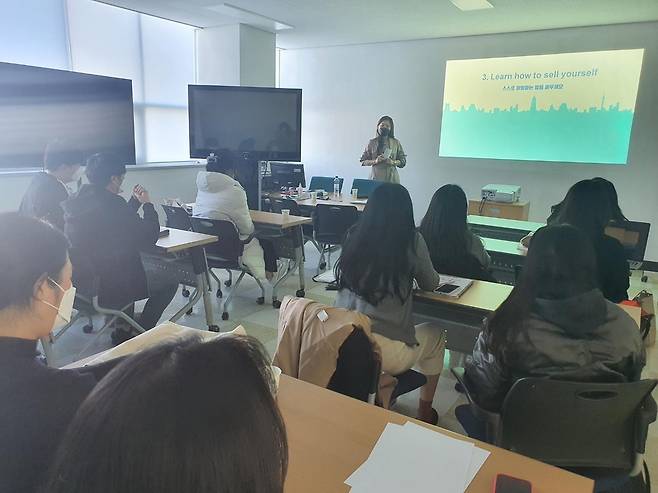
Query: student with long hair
column 382, row 255
column 555, row 323
column 454, row 249
column 587, row 207
column 616, row 215
column 182, row 416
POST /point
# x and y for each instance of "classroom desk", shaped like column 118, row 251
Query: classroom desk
column 309, row 205
column 463, row 317
column 178, row 241
column 290, row 228
column 330, row 436
column 506, row 258
column 502, row 229
column 272, row 226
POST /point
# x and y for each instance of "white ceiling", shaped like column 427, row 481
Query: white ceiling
column 338, row 22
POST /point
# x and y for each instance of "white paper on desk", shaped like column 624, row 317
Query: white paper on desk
column 162, row 333
column 478, row 459
column 412, row 458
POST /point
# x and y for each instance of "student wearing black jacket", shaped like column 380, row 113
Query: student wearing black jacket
column 36, row 402
column 588, row 207
column 47, row 190
column 107, row 235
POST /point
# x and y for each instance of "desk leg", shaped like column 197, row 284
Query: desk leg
column 200, row 266
column 299, row 253
column 297, row 263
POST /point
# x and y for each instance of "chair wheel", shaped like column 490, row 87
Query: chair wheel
column 185, row 292
column 323, row 265
column 300, row 293
column 88, row 329
column 189, row 312
column 228, row 283
column 213, row 328
column 225, row 316
column 219, row 293
column 260, row 300
column 276, row 303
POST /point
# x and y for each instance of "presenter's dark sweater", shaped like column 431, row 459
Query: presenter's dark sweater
column 36, row 405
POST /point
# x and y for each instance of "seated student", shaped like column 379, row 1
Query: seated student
column 453, row 248
column 555, row 323
column 47, row 190
column 616, row 215
column 587, row 207
column 107, row 235
column 381, row 256
column 36, row 402
column 185, row 416
column 221, row 197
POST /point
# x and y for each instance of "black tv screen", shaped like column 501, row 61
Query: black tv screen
column 90, row 113
column 256, row 122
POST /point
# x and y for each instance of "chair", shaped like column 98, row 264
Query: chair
column 325, row 183
column 179, row 218
column 226, row 253
column 598, row 430
column 86, row 304
column 365, row 187
column 330, row 223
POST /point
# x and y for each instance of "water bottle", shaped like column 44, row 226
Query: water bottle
column 336, row 187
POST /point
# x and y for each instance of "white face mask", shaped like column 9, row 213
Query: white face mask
column 77, row 176
column 65, row 309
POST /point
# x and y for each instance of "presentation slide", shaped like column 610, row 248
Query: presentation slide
column 569, row 107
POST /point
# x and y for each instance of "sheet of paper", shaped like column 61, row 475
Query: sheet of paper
column 413, row 458
column 477, row 461
column 163, row 332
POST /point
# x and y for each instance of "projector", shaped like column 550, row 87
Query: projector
column 501, row 193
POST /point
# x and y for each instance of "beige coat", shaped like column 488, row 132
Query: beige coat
column 307, row 347
column 384, row 172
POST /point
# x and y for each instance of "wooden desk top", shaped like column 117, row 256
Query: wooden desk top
column 179, row 240
column 273, row 219
column 503, row 246
column 499, row 222
column 482, row 295
column 330, row 436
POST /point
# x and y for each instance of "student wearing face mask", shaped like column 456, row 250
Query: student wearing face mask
column 107, row 234
column 384, row 153
column 36, row 402
column 48, row 189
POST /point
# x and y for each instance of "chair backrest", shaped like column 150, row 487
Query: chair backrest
column 325, row 183
column 229, row 247
column 331, row 222
column 177, row 217
column 574, row 424
column 633, row 236
column 277, row 205
column 365, row 187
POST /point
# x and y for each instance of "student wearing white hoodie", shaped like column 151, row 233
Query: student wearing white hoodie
column 222, row 197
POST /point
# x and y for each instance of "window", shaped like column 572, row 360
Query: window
column 86, row 36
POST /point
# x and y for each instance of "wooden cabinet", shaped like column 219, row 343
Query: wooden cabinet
column 516, row 210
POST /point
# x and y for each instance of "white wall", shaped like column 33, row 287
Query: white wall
column 257, row 57
column 218, row 55
column 346, row 89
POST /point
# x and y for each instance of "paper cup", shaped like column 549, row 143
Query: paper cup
column 314, row 197
column 355, row 193
column 285, row 213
